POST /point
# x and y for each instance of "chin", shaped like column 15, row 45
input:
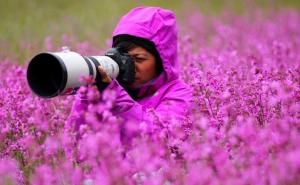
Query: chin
column 134, row 85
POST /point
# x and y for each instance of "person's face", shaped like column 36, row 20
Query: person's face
column 145, row 66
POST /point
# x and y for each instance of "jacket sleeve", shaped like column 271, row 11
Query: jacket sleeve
column 174, row 104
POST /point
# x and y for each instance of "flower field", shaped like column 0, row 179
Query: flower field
column 244, row 126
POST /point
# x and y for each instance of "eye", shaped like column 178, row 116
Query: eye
column 139, row 59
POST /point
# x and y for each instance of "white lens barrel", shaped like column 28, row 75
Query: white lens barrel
column 76, row 66
column 111, row 67
column 58, row 73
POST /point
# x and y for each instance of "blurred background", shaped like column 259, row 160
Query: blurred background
column 25, row 24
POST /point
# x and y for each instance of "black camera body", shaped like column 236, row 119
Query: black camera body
column 126, row 65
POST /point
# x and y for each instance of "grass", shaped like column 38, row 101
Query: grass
column 29, row 22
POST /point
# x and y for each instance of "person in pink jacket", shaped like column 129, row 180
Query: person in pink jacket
column 149, row 35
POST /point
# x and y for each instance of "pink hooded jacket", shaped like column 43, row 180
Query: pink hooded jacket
column 167, row 95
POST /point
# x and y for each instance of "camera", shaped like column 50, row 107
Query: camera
column 50, row 74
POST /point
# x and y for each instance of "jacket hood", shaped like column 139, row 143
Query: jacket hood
column 157, row 25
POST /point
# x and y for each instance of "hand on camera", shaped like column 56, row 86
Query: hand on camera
column 104, row 75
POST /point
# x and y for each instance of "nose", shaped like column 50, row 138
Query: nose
column 135, row 67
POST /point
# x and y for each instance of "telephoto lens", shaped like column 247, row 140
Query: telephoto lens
column 50, row 74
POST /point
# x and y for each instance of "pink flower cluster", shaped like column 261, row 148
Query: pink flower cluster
column 244, row 127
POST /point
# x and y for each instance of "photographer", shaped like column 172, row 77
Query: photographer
column 149, row 35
